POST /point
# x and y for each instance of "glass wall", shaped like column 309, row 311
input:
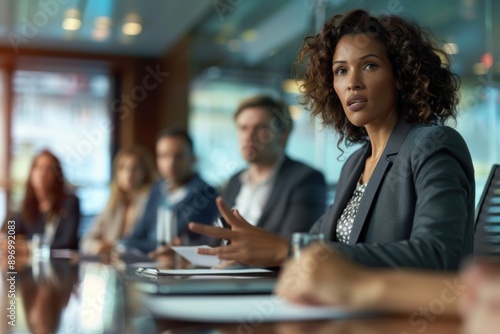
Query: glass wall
column 67, row 113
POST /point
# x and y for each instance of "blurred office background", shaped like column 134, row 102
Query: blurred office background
column 86, row 77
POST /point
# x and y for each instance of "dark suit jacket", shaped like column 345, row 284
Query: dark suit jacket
column 198, row 206
column 66, row 236
column 296, row 201
column 418, row 207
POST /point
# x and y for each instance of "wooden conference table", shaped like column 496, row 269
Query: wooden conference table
column 75, row 296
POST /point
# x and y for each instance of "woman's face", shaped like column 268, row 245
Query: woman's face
column 43, row 174
column 129, row 174
column 364, row 80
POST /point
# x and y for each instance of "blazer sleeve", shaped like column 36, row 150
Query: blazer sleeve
column 306, row 205
column 443, row 178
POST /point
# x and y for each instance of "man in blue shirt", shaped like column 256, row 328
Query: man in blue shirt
column 179, row 197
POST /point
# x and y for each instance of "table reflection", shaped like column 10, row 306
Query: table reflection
column 61, row 296
column 379, row 325
column 68, row 296
column 45, row 289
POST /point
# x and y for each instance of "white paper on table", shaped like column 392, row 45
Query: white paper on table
column 190, row 254
column 241, row 308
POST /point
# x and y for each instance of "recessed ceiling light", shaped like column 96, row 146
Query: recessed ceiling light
column 101, row 30
column 71, row 24
column 450, row 48
column 132, row 28
column 72, row 19
column 102, row 21
column 132, row 25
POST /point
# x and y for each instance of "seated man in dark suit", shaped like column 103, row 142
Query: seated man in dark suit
column 275, row 193
column 179, row 197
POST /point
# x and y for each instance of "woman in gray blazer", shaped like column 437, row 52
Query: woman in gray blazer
column 406, row 197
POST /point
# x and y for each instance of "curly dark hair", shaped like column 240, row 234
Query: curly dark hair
column 427, row 90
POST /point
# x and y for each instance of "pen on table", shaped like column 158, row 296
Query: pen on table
column 147, row 271
column 221, row 223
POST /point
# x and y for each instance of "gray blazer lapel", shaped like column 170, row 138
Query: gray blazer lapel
column 345, row 190
column 396, row 138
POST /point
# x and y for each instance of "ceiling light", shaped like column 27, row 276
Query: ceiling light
column 132, row 25
column 450, row 48
column 101, row 28
column 102, row 21
column 72, row 20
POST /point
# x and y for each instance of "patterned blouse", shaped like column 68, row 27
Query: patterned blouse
column 344, row 225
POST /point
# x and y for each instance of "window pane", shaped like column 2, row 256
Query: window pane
column 67, row 113
column 3, row 149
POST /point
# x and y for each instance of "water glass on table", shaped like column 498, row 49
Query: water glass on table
column 40, row 247
column 301, row 240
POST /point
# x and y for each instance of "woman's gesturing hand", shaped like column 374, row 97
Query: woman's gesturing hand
column 248, row 245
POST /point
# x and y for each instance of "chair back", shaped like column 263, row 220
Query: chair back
column 487, row 224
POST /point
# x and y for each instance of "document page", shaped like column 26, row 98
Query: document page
column 190, row 254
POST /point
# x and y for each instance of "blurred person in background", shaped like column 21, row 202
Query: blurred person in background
column 180, row 194
column 133, row 174
column 47, row 207
column 274, row 192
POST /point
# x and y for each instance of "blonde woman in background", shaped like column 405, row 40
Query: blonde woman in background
column 133, row 173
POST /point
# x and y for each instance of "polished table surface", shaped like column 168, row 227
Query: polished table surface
column 75, row 296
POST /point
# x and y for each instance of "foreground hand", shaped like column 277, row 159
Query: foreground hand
column 322, row 277
column 480, row 303
column 249, row 245
column 165, row 252
column 104, row 248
